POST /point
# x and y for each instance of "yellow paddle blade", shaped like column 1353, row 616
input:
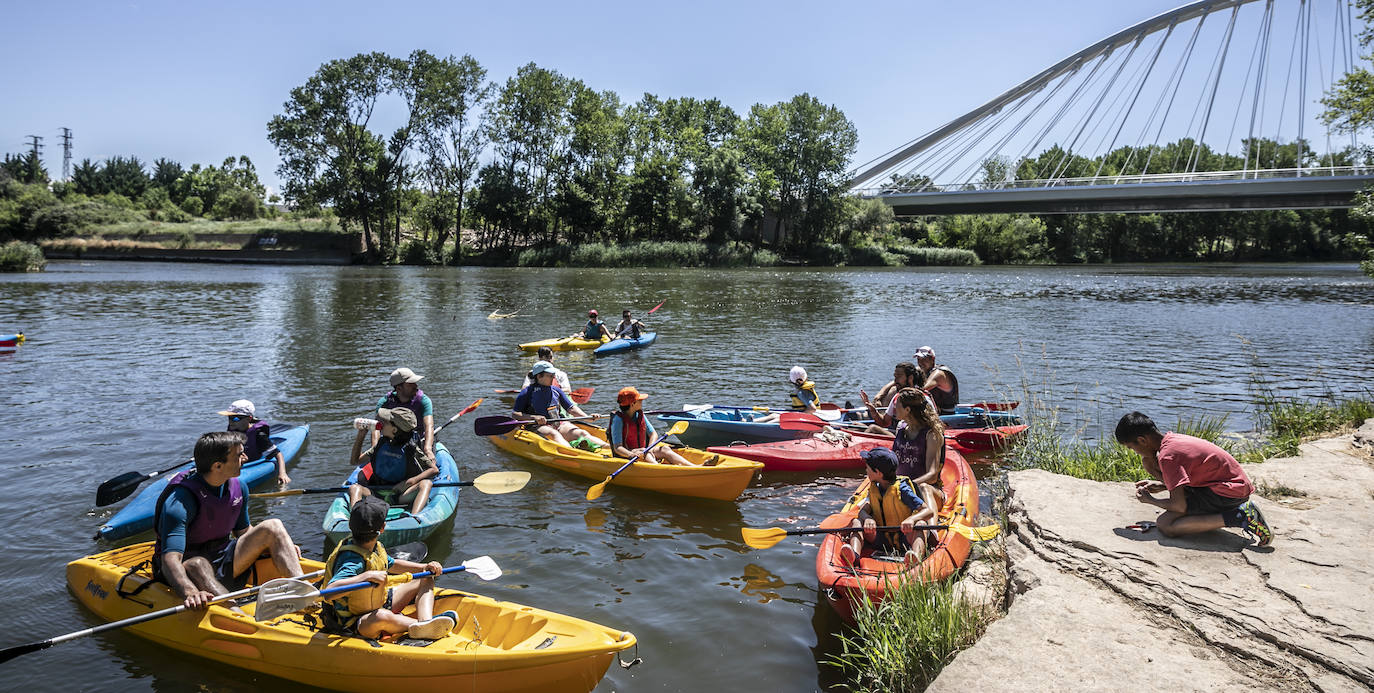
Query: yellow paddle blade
column 496, row 483
column 983, row 533
column 762, row 538
column 595, row 492
column 677, row 428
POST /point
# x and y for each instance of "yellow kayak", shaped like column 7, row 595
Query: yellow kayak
column 499, row 646
column 564, row 344
column 724, row 480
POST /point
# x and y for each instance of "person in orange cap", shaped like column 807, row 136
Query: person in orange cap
column 631, row 433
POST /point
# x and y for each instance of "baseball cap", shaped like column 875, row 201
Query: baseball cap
column 628, row 395
column 400, row 417
column 542, row 367
column 592, row 313
column 239, row 407
column 404, row 375
column 368, row 516
column 924, row 352
column 881, row 459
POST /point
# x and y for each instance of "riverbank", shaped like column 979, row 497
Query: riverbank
column 1096, row 605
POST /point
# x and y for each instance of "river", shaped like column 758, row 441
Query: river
column 127, row 363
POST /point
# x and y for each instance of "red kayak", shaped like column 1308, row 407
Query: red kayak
column 822, row 452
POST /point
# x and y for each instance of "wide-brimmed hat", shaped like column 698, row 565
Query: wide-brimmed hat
column 400, row 417
column 404, row 375
column 240, row 407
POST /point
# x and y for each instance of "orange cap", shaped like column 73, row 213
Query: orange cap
column 628, row 395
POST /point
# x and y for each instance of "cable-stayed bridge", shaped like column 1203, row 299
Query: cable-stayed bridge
column 1208, row 107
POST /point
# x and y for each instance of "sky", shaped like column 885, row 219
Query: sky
column 197, row 82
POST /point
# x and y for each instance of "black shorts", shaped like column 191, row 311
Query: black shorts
column 1205, row 501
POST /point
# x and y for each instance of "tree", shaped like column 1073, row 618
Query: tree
column 452, row 99
column 124, row 176
column 528, row 126
column 329, row 155
column 86, row 179
column 165, row 174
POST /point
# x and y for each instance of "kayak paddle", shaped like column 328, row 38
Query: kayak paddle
column 580, row 395
column 501, row 425
column 491, row 483
column 595, row 492
column 767, row 538
column 12, row 652
column 660, row 305
column 284, row 596
column 120, row 487
column 465, row 410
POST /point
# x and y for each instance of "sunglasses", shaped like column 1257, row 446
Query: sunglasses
column 237, row 418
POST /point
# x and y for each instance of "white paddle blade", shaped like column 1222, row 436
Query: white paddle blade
column 483, row 567
column 283, row 596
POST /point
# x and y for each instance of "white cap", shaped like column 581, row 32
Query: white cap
column 924, row 352
column 797, row 374
column 240, row 407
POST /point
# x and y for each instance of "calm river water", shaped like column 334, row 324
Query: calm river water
column 126, row 364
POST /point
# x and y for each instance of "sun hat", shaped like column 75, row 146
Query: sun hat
column 797, row 374
column 368, row 516
column 404, row 375
column 240, row 407
column 924, row 352
column 400, row 417
column 629, row 395
column 542, row 367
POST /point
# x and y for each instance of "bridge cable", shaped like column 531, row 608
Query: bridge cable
column 1329, row 78
column 1178, row 73
column 1287, row 82
column 1059, row 84
column 1054, row 120
column 988, row 152
column 1306, row 23
column 1135, row 97
column 1266, row 28
column 1121, row 114
column 1195, row 157
column 1255, row 53
column 1067, row 159
column 975, row 136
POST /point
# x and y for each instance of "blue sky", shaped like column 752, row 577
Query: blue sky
column 196, row 82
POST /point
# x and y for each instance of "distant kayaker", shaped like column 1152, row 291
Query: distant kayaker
column 595, row 329
column 258, row 437
column 631, row 433
column 406, row 392
column 542, row 401
column 205, row 544
column 919, row 441
column 904, row 375
column 892, row 501
column 375, row 611
column 559, row 377
column 1207, row 488
column 394, row 460
column 629, row 328
column 938, row 381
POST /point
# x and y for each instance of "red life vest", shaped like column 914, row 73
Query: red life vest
column 636, row 433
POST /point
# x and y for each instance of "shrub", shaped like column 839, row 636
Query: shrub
column 921, row 256
column 417, row 252
column 193, row 205
column 873, row 256
column 18, row 256
column 70, row 219
column 827, row 254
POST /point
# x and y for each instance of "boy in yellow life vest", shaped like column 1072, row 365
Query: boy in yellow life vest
column 804, row 397
column 375, row 612
column 892, row 501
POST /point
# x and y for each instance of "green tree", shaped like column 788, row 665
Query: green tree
column 452, row 97
column 528, row 127
column 165, row 174
column 86, row 179
column 124, row 176
column 329, row 155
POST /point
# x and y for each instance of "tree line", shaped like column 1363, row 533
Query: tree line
column 543, row 159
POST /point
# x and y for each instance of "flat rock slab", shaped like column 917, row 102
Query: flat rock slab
column 1102, row 607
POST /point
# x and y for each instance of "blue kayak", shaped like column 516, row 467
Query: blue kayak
column 618, row 345
column 137, row 516
column 401, row 526
column 725, row 425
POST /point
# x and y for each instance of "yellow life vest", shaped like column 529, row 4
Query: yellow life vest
column 808, row 386
column 887, row 508
column 361, row 600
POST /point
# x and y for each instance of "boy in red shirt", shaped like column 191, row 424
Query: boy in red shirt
column 1207, row 488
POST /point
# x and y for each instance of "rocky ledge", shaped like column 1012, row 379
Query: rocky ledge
column 1095, row 605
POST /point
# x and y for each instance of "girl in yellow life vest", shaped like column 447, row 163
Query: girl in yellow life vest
column 892, row 501
column 376, row 611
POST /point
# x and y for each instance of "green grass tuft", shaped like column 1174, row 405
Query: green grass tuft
column 902, row 643
column 18, row 256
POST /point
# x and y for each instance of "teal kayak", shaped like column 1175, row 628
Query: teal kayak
column 619, row 345
column 401, row 526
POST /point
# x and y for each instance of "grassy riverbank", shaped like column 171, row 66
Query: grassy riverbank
column 17, row 256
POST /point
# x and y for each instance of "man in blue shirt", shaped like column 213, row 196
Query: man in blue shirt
column 542, row 400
